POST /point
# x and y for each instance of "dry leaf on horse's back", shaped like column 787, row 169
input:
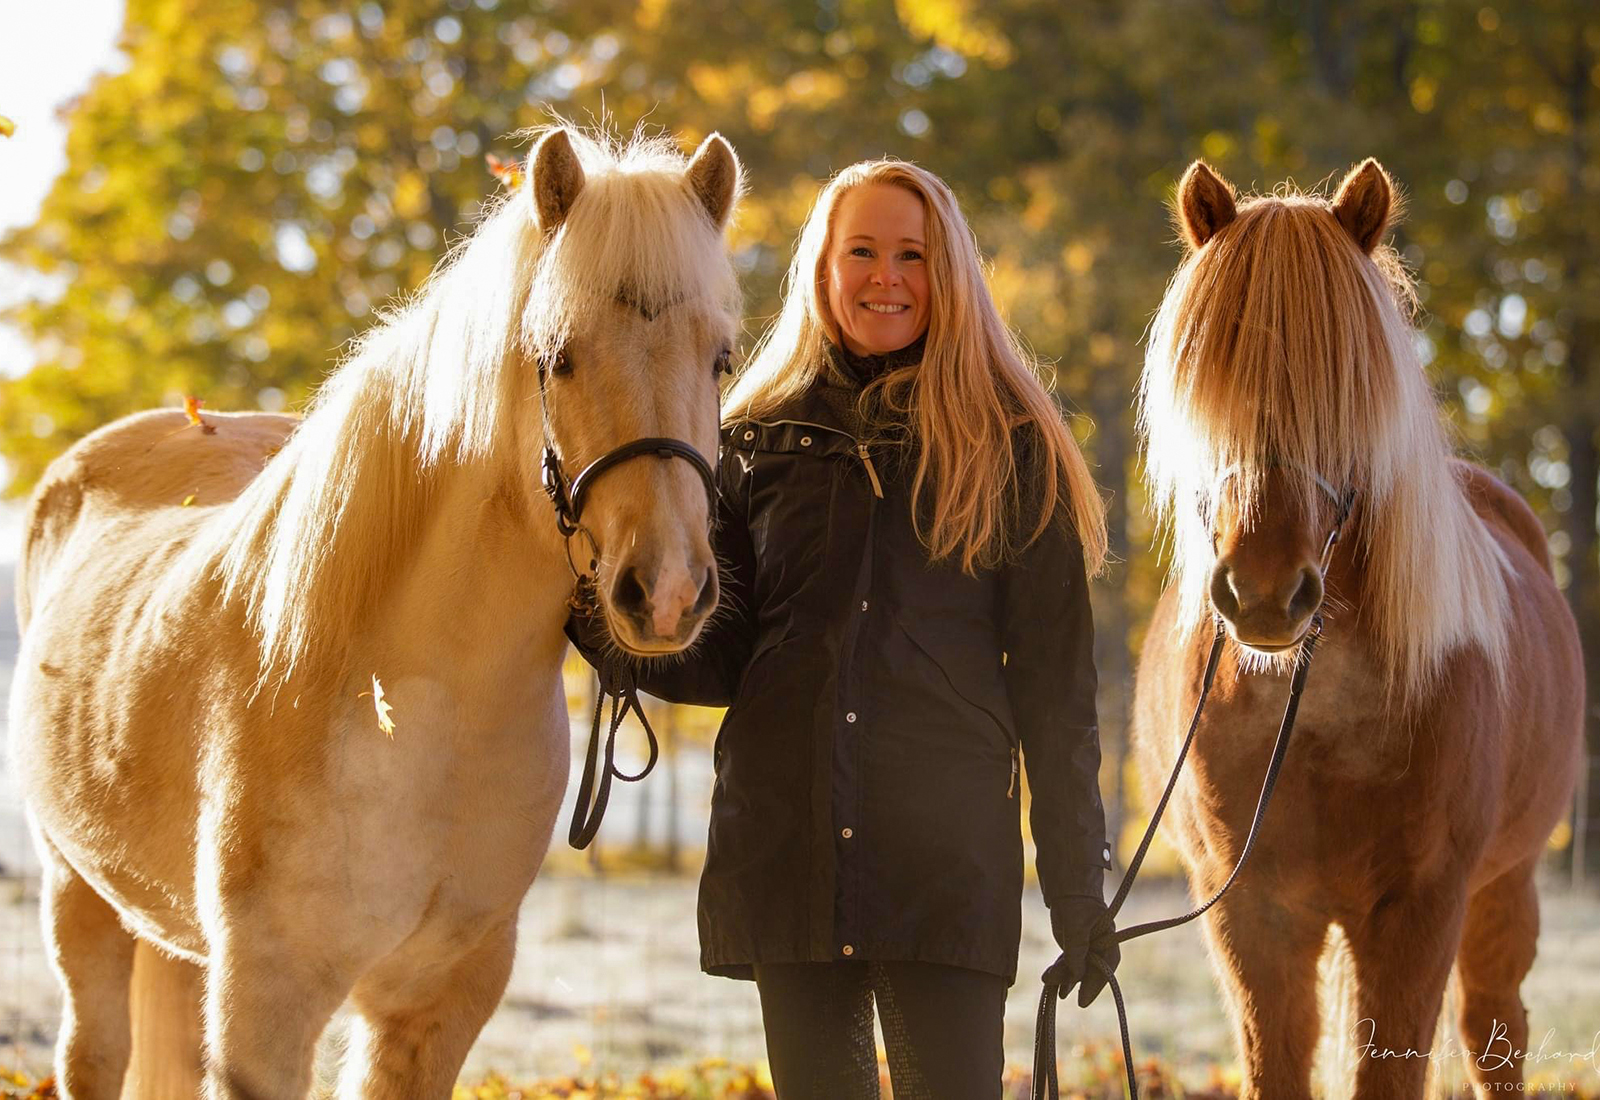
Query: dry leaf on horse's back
column 381, row 705
column 191, row 409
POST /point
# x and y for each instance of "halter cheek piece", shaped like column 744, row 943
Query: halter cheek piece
column 618, row 681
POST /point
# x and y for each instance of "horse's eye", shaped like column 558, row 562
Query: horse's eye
column 723, row 364
column 561, row 364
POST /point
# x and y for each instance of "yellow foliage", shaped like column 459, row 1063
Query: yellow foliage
column 955, row 25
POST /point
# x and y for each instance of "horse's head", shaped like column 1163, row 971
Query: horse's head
column 632, row 315
column 1271, row 555
column 1280, row 380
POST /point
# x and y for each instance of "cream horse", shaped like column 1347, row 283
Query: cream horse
column 221, row 620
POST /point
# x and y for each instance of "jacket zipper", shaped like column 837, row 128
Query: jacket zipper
column 1011, row 789
column 872, row 475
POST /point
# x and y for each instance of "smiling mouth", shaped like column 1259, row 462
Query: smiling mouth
column 877, row 307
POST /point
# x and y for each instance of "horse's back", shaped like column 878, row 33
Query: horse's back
column 136, row 465
column 1504, row 510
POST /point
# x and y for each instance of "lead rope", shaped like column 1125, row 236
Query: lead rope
column 616, row 680
column 1045, row 1083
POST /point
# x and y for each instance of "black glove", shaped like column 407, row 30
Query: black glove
column 1082, row 928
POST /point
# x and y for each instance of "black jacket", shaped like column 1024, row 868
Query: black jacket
column 867, row 791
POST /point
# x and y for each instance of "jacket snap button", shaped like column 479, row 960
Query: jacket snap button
column 863, row 605
column 848, row 950
column 847, row 832
column 1106, row 854
column 749, row 436
column 851, row 717
column 805, row 441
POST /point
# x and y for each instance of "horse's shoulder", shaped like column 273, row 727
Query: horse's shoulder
column 1503, row 508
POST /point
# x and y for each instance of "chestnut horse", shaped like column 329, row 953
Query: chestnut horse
column 1439, row 735
column 289, row 705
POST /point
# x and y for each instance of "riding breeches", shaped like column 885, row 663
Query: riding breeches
column 942, row 1029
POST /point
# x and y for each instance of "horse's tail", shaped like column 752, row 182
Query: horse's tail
column 1340, row 1048
column 52, row 513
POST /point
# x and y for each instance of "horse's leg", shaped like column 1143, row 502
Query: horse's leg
column 270, row 992
column 416, row 1024
column 1402, row 950
column 92, row 955
column 1267, row 956
column 1497, row 949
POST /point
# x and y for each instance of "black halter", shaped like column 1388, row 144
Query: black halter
column 568, row 496
column 1045, row 1083
column 616, row 678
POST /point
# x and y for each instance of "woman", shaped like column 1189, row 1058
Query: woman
column 905, row 529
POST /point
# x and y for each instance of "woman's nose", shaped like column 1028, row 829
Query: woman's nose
column 884, row 272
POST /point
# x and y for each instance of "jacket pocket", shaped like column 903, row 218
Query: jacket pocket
column 966, row 670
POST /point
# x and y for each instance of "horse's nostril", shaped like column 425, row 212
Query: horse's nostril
column 1307, row 594
column 708, row 591
column 628, row 593
column 1222, row 593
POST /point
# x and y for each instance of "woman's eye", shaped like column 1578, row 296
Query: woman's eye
column 861, row 250
column 911, row 254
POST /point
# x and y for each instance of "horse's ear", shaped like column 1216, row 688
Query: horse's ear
column 1365, row 203
column 556, row 178
column 714, row 178
column 1205, row 204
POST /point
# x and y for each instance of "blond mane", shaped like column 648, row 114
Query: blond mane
column 443, row 380
column 1282, row 341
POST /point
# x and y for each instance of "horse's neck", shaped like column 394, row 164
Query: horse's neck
column 486, row 584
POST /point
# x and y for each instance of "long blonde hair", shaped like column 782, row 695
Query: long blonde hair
column 975, row 386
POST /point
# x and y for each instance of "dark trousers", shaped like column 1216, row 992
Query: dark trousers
column 943, row 1028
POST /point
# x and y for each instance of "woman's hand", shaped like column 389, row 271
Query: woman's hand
column 1083, row 928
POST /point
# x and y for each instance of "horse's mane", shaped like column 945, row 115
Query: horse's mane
column 442, row 379
column 1281, row 341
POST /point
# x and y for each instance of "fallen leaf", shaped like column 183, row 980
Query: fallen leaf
column 188, row 500
column 7, row 127
column 508, row 172
column 379, row 704
column 191, row 409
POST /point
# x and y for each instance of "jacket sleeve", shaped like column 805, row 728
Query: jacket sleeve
column 708, row 674
column 1047, row 630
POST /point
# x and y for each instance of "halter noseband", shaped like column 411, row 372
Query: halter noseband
column 1343, row 503
column 568, row 496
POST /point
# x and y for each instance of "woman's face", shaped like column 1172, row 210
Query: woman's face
column 877, row 273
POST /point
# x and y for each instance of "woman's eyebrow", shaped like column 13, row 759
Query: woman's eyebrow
column 870, row 237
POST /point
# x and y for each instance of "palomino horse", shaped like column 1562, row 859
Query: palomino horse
column 1438, row 738
column 216, row 616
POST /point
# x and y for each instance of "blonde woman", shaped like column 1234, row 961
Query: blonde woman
column 906, row 529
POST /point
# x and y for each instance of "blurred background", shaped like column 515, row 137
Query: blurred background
column 213, row 198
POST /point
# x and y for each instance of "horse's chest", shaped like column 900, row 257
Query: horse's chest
column 452, row 815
